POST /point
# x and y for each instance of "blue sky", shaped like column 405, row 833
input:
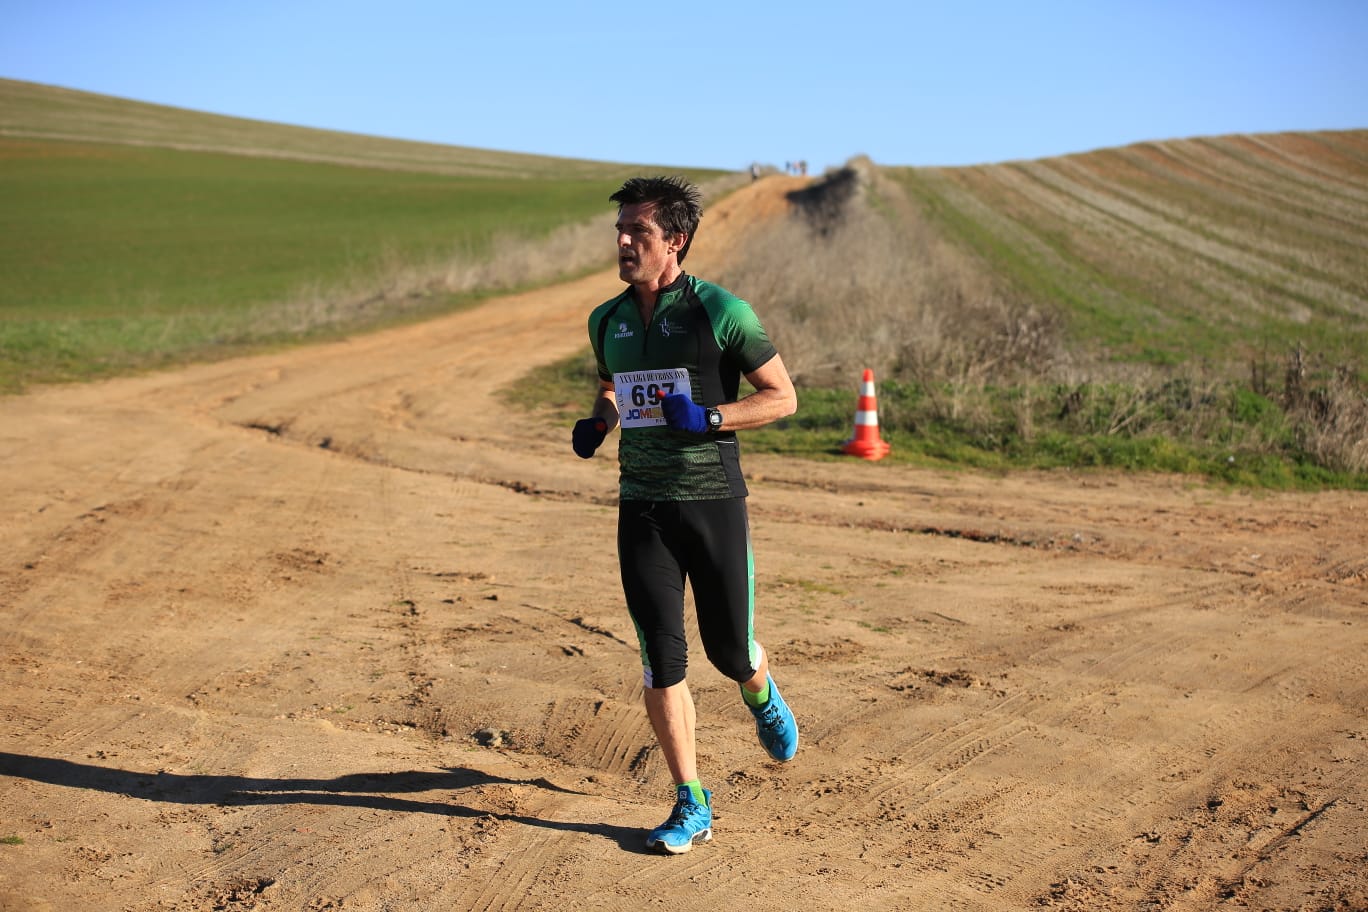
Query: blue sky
column 722, row 84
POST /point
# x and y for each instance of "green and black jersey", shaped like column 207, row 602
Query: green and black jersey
column 716, row 337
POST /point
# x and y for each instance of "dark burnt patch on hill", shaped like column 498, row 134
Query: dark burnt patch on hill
column 823, row 204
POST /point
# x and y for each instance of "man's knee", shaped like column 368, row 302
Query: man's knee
column 653, row 679
column 734, row 663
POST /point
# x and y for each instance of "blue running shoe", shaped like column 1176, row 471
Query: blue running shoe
column 689, row 822
column 775, row 725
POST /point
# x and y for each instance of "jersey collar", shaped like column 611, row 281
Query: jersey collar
column 668, row 291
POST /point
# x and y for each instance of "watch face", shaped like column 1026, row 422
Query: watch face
column 714, row 418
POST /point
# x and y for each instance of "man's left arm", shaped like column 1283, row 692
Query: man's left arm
column 774, row 398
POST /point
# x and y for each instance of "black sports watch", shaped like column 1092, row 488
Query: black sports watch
column 714, row 419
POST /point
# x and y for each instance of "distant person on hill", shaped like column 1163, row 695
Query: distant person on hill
column 671, row 350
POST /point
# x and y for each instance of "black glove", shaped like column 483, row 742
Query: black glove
column 588, row 434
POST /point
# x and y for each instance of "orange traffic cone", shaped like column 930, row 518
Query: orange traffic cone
column 866, row 443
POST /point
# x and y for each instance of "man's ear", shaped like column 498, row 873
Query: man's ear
column 678, row 242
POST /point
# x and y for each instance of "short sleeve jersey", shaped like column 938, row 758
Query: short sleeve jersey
column 715, row 336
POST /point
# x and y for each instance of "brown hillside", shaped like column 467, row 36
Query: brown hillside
column 1179, row 246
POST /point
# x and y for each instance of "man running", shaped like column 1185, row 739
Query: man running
column 671, row 350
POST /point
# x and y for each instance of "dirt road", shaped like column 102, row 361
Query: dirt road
column 337, row 629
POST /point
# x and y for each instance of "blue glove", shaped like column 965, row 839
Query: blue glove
column 587, row 435
column 683, row 414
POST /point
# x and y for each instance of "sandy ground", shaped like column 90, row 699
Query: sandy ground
column 336, row 629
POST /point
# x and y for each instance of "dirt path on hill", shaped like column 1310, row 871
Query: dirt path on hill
column 335, row 629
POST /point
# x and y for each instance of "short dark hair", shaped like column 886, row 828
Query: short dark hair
column 679, row 205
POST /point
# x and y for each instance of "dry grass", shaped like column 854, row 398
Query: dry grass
column 400, row 288
column 1330, row 416
column 856, row 279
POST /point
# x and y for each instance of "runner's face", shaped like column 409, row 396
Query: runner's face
column 645, row 252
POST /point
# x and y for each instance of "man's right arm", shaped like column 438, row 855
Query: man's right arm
column 605, row 406
column 590, row 432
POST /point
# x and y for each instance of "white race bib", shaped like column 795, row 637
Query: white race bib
column 639, row 393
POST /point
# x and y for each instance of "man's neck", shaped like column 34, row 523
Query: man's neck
column 648, row 293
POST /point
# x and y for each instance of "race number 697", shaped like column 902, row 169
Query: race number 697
column 650, row 393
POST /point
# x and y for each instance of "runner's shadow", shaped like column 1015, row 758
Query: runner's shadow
column 361, row 790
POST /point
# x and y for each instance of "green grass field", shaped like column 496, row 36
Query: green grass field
column 121, row 257
column 102, row 231
column 122, row 253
